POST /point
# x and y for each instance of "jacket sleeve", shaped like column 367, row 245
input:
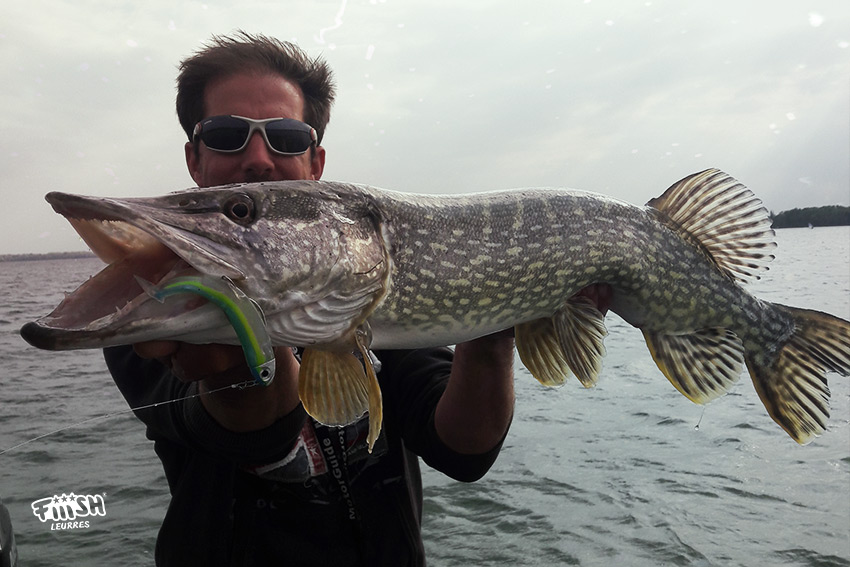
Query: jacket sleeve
column 150, row 389
column 412, row 383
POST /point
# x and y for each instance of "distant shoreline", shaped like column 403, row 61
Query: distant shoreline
column 830, row 215
column 46, row 256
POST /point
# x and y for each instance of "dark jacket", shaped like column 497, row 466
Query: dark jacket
column 296, row 493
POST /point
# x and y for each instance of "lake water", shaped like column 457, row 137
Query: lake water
column 628, row 473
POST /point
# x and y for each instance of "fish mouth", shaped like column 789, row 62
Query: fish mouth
column 136, row 240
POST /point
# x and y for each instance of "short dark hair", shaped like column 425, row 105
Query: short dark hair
column 243, row 52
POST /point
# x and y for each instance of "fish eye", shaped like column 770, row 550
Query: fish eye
column 240, row 209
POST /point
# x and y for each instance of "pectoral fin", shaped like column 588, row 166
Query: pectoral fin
column 376, row 408
column 336, row 390
column 702, row 365
column 333, row 386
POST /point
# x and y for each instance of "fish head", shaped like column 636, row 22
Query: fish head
column 288, row 245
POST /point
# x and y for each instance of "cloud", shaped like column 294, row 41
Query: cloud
column 443, row 97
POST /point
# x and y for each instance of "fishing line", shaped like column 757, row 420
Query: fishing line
column 702, row 415
column 239, row 385
column 243, row 313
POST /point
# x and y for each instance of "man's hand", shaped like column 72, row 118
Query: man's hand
column 219, row 366
column 601, row 294
column 190, row 363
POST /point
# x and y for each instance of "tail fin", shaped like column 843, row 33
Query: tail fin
column 793, row 384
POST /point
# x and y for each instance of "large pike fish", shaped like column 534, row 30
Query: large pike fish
column 339, row 268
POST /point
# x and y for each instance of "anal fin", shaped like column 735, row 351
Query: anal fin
column 702, row 365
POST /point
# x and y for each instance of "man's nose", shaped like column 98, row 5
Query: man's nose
column 256, row 157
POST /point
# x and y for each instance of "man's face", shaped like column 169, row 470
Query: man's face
column 252, row 96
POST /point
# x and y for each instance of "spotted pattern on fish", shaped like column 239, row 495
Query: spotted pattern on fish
column 489, row 260
column 339, row 268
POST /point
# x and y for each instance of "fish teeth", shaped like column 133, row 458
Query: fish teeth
column 148, row 288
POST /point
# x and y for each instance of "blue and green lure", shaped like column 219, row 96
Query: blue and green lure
column 242, row 312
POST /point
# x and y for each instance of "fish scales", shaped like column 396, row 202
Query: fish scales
column 487, row 261
column 340, row 268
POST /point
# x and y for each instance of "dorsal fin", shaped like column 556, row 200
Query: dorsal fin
column 724, row 217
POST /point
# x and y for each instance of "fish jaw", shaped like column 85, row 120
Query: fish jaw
column 137, row 238
column 111, row 308
column 118, row 228
column 310, row 254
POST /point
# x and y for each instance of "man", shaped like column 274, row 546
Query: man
column 253, row 480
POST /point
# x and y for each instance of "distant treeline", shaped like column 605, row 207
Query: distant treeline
column 48, row 256
column 832, row 215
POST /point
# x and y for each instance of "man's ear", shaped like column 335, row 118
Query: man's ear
column 193, row 162
column 317, row 162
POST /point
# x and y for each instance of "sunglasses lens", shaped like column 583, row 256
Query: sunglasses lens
column 224, row 133
column 230, row 133
column 289, row 136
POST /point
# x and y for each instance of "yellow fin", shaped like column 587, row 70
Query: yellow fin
column 540, row 351
column 581, row 330
column 702, row 365
column 376, row 406
column 727, row 220
column 333, row 387
column 793, row 386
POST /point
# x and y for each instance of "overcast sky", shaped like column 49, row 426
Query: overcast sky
column 619, row 97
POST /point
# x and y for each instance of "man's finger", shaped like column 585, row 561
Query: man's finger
column 156, row 349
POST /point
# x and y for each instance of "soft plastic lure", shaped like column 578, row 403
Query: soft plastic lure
column 242, row 312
